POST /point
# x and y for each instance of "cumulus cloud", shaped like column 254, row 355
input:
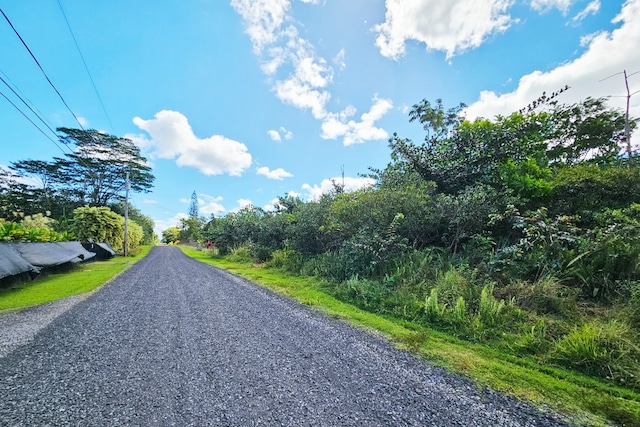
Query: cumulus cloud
column 314, row 192
column 242, row 203
column 172, row 138
column 453, row 26
column 277, row 135
column 356, row 132
column 210, row 205
column 276, row 40
column 607, row 54
column 277, row 174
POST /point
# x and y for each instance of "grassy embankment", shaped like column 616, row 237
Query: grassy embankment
column 584, row 400
column 82, row 279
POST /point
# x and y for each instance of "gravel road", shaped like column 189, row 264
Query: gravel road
column 174, row 342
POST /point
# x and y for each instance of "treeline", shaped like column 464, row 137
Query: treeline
column 522, row 232
column 79, row 195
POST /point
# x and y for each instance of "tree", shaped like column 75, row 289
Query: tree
column 170, row 235
column 95, row 172
column 101, row 224
column 193, row 207
column 147, row 224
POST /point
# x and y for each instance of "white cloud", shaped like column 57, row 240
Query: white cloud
column 276, row 39
column 262, row 19
column 301, row 95
column 277, row 174
column 544, row 6
column 172, row 137
column 591, row 9
column 327, row 185
column 452, row 26
column 210, row 205
column 277, row 135
column 272, row 205
column 160, row 225
column 607, row 54
column 338, row 124
column 150, row 202
column 274, row 135
column 83, row 121
column 242, row 203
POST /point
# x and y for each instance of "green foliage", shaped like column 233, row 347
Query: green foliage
column 490, row 310
column 18, row 232
column 39, row 220
column 101, row 224
column 286, row 259
column 588, row 189
column 536, row 245
column 144, row 221
column 602, row 349
column 170, row 235
column 433, row 309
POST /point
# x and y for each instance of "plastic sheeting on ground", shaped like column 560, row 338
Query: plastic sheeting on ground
column 102, row 250
column 12, row 263
column 45, row 254
column 77, row 247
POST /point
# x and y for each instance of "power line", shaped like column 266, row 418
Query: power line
column 41, row 69
column 28, row 101
column 86, row 67
column 28, row 106
column 32, row 122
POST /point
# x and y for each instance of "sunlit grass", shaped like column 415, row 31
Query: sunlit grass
column 82, row 279
column 586, row 401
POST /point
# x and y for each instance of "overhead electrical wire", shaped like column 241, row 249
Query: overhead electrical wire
column 41, row 69
column 95, row 88
column 29, row 107
column 26, row 100
column 32, row 122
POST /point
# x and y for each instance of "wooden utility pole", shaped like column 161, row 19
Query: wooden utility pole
column 126, row 217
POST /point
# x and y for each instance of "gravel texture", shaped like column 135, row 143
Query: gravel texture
column 174, row 342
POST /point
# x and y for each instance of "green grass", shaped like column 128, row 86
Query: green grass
column 82, row 279
column 584, row 400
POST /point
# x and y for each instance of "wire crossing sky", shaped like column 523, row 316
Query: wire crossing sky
column 244, row 101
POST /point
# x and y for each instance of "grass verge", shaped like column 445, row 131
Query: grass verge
column 584, row 401
column 82, row 279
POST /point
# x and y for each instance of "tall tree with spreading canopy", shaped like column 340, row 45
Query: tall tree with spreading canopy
column 94, row 172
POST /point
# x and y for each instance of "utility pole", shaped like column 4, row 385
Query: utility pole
column 627, row 127
column 126, row 216
column 627, row 131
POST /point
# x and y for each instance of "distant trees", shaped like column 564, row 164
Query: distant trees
column 93, row 173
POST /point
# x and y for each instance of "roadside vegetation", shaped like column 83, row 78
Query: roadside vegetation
column 77, row 196
column 505, row 244
column 74, row 197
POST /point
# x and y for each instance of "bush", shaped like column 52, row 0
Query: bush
column 547, row 296
column 365, row 293
column 241, row 254
column 286, row 259
column 600, row 349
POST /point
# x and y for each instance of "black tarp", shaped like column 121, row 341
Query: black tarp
column 102, row 250
column 12, row 263
column 45, row 254
column 77, row 247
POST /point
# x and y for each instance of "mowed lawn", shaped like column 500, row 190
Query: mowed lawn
column 81, row 279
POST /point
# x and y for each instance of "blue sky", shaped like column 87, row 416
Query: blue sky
column 244, row 101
